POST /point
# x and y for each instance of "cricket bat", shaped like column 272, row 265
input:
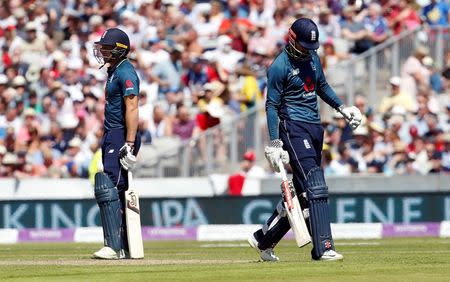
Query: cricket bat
column 293, row 209
column 133, row 220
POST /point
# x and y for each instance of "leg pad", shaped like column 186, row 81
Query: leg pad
column 110, row 211
column 319, row 213
column 274, row 229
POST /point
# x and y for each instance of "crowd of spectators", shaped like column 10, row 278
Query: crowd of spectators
column 199, row 63
column 409, row 133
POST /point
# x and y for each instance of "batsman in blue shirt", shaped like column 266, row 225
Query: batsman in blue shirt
column 120, row 142
column 295, row 79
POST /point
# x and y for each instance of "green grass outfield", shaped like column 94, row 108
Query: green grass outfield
column 403, row 259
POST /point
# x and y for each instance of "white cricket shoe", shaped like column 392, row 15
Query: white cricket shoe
column 331, row 255
column 267, row 254
column 108, row 253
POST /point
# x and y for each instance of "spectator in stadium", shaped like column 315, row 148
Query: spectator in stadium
column 343, row 163
column 145, row 108
column 197, row 74
column 260, row 13
column 184, row 126
column 374, row 160
column 400, row 162
column 34, row 46
column 276, row 32
column 367, row 111
column 436, row 80
column 375, row 24
column 437, row 12
column 436, row 163
column 159, row 125
column 398, row 98
column 249, row 94
column 330, row 57
column 227, row 58
column 23, row 167
column 402, row 16
column 210, row 105
column 259, row 39
column 249, row 169
column 29, row 124
column 413, row 73
column 328, row 25
column 355, row 32
column 9, row 162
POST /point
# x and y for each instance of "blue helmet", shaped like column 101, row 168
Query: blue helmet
column 114, row 44
column 304, row 32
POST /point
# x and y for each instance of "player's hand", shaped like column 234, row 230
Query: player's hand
column 126, row 157
column 353, row 116
column 275, row 152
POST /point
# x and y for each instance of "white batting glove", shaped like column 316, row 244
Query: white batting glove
column 275, row 152
column 353, row 116
column 126, row 157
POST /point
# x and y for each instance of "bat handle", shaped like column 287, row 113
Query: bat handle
column 282, row 170
column 130, row 178
column 347, row 118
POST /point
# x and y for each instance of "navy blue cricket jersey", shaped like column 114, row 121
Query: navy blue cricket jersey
column 292, row 90
column 122, row 81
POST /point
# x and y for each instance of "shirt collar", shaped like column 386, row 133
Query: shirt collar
column 111, row 70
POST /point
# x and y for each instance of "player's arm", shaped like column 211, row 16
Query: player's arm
column 130, row 89
column 131, row 117
column 275, row 79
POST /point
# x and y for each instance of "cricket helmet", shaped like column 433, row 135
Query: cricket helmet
column 114, row 44
column 303, row 32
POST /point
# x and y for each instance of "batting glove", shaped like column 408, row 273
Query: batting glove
column 353, row 116
column 275, row 152
column 126, row 157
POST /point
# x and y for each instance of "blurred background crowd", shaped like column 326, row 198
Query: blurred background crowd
column 201, row 63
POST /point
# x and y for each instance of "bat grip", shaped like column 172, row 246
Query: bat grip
column 282, row 170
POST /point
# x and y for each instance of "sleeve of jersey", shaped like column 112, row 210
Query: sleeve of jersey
column 130, row 83
column 275, row 77
column 324, row 90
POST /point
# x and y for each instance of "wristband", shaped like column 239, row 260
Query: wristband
column 276, row 143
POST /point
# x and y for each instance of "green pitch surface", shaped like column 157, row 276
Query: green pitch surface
column 419, row 259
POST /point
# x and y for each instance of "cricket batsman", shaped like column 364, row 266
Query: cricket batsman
column 295, row 79
column 120, row 142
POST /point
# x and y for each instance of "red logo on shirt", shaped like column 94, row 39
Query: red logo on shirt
column 309, row 84
column 129, row 83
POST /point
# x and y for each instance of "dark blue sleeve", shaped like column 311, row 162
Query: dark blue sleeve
column 275, row 79
column 324, row 90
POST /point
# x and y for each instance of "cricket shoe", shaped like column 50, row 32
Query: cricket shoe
column 267, row 254
column 331, row 255
column 108, row 253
